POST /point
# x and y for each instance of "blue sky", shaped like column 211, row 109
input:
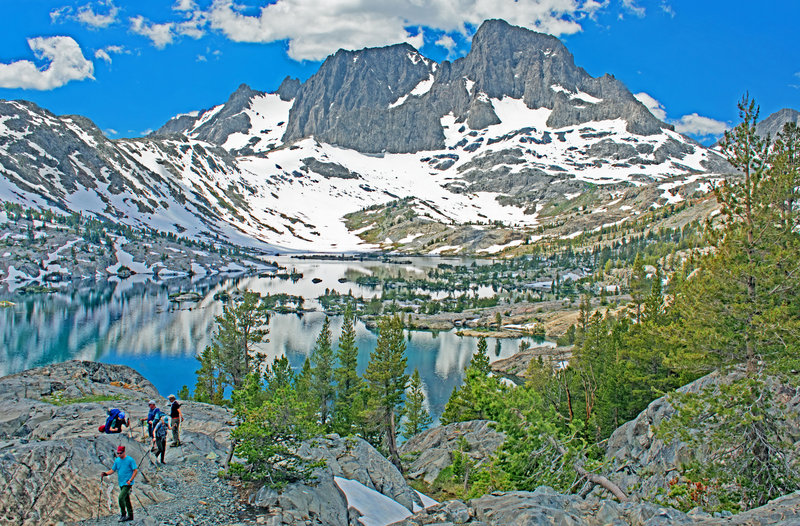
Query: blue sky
column 131, row 65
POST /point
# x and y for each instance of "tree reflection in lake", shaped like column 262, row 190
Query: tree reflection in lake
column 140, row 322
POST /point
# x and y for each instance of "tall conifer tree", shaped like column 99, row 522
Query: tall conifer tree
column 348, row 383
column 386, row 381
column 417, row 417
column 322, row 363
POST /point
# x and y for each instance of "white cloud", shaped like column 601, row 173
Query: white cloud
column 193, row 27
column 694, row 124
column 354, row 24
column 160, row 34
column 201, row 58
column 184, row 5
column 447, row 42
column 655, row 107
column 87, row 15
column 797, row 74
column 58, row 14
column 634, row 8
column 66, row 63
column 102, row 54
column 667, row 8
column 112, row 131
column 106, row 52
column 164, row 34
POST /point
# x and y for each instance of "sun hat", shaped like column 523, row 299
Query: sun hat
column 171, row 397
column 151, row 402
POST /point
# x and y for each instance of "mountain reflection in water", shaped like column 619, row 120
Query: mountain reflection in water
column 133, row 322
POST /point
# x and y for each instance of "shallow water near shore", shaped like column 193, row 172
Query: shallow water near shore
column 134, row 322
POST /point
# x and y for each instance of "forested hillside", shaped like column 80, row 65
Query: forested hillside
column 727, row 304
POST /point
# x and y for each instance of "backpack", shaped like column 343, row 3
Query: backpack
column 161, row 427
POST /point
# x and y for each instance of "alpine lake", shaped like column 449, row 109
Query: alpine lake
column 158, row 327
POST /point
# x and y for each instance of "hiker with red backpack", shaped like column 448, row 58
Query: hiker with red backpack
column 116, row 419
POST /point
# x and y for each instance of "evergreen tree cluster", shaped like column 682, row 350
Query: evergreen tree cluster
column 734, row 309
column 277, row 409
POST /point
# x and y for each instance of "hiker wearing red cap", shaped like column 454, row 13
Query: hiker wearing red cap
column 126, row 470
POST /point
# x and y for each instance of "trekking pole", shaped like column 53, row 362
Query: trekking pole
column 99, row 496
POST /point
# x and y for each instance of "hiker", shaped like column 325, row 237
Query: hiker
column 114, row 422
column 152, row 417
column 126, row 470
column 110, row 429
column 175, row 417
column 160, row 435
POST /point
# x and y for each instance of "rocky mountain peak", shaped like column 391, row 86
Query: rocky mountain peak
column 774, row 122
column 347, row 101
column 288, row 88
column 392, row 99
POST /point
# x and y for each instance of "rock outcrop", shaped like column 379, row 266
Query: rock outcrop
column 428, row 453
column 546, row 506
column 322, row 501
column 52, row 453
column 643, row 464
column 349, row 102
column 515, row 367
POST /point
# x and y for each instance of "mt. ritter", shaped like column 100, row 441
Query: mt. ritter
column 381, row 149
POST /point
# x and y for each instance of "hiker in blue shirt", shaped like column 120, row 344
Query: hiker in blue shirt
column 152, row 417
column 126, row 470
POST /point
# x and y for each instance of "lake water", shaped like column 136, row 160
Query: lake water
column 133, row 322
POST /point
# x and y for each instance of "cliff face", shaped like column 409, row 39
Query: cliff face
column 392, row 99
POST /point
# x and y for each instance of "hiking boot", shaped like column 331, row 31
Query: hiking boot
column 123, row 518
column 127, row 519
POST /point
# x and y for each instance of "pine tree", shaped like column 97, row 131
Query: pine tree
column 210, row 387
column 231, row 356
column 272, row 423
column 348, row 382
column 480, row 360
column 322, row 363
column 386, row 381
column 417, row 418
column 654, row 303
column 638, row 285
column 739, row 307
column 478, row 397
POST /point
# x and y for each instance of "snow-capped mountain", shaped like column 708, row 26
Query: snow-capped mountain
column 503, row 136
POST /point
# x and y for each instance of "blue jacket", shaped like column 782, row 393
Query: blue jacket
column 114, row 414
column 153, row 415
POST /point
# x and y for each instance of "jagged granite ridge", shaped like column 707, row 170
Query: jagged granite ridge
column 352, row 101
